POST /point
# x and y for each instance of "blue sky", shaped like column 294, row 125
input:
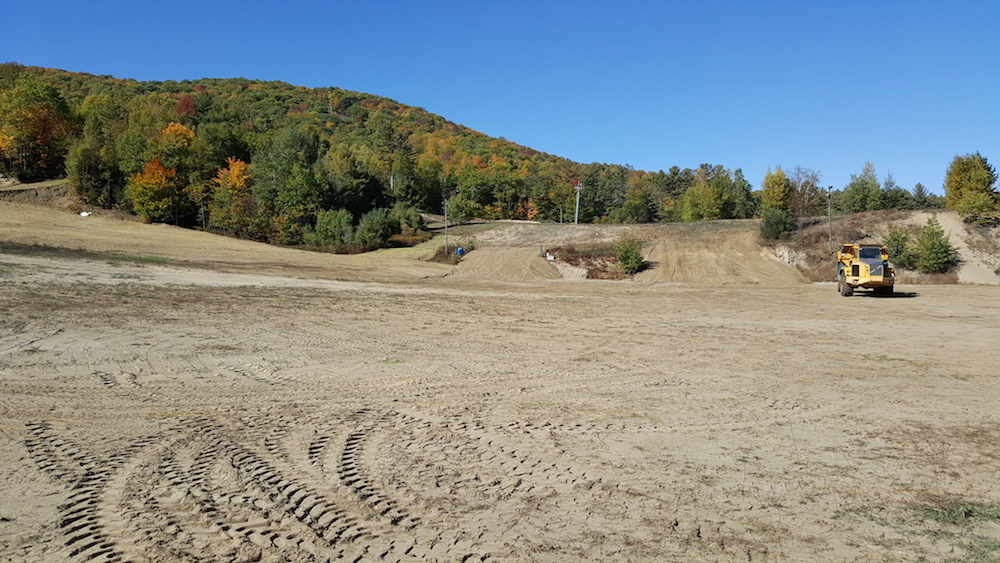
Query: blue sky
column 906, row 85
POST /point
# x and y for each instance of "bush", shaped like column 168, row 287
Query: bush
column 333, row 228
column 375, row 229
column 629, row 253
column 409, row 219
column 934, row 251
column 461, row 209
column 774, row 223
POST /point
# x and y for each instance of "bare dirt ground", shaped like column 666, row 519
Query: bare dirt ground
column 250, row 403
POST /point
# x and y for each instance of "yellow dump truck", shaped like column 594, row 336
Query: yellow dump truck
column 864, row 265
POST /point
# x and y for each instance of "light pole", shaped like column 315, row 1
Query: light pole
column 446, row 222
column 579, row 187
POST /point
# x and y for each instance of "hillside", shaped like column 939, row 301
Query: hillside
column 707, row 253
column 307, row 149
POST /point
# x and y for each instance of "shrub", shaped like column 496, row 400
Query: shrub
column 409, row 219
column 774, row 223
column 629, row 253
column 450, row 255
column 375, row 229
column 333, row 228
column 461, row 209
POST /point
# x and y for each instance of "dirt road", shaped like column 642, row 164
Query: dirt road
column 165, row 414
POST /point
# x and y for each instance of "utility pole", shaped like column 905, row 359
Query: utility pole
column 829, row 214
column 579, row 187
column 445, row 226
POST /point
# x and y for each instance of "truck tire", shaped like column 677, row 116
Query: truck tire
column 845, row 289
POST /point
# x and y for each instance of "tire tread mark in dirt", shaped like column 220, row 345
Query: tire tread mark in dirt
column 451, row 455
column 350, row 470
column 78, row 519
column 29, row 344
column 250, row 520
column 352, row 476
column 328, row 523
column 107, row 379
column 257, row 373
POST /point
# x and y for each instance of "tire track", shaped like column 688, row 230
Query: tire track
column 364, row 484
column 402, row 465
column 86, row 476
column 258, row 373
column 337, row 531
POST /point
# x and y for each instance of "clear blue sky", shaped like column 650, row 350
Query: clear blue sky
column 906, row 85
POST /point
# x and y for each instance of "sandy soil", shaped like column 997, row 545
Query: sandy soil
column 266, row 404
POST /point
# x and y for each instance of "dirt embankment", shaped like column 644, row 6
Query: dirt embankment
column 504, row 252
column 977, row 249
column 716, row 253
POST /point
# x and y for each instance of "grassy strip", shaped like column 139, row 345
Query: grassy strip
column 80, row 254
column 961, row 513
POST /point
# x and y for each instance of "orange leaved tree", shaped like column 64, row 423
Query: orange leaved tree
column 158, row 196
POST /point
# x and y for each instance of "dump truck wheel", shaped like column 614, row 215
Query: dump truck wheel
column 845, row 289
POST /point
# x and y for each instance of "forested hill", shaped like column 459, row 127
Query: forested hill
column 281, row 163
column 295, row 150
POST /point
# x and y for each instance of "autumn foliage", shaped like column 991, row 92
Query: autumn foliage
column 234, row 211
column 157, row 196
column 269, row 160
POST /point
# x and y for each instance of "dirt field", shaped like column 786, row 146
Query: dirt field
column 250, row 403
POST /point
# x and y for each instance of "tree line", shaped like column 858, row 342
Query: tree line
column 278, row 163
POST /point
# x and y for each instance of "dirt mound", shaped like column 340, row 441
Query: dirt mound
column 505, row 264
column 730, row 256
column 978, row 249
column 721, row 253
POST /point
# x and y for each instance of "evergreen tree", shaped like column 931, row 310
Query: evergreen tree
column 934, row 251
column 863, row 193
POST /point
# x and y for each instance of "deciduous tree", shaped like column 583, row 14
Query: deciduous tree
column 233, row 209
column 776, row 204
column 969, row 186
column 35, row 129
column 807, row 198
column 776, row 191
column 157, row 196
